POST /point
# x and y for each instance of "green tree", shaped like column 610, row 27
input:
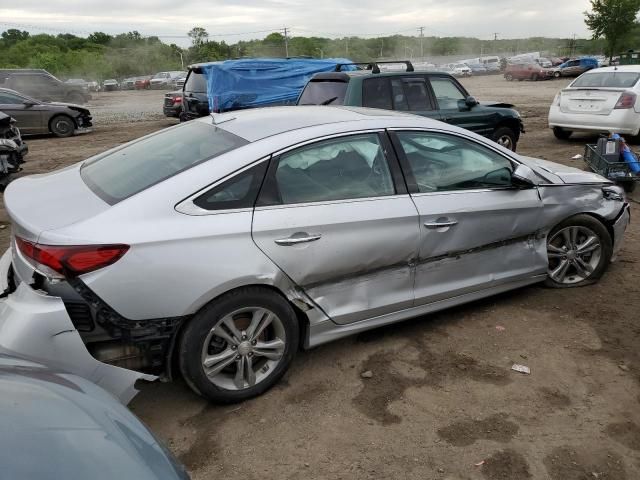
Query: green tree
column 13, row 36
column 613, row 20
column 198, row 36
column 99, row 38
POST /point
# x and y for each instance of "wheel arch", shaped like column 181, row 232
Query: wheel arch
column 608, row 224
column 509, row 122
column 296, row 299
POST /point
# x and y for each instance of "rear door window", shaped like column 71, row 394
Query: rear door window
column 148, row 161
column 196, row 82
column 376, row 93
column 323, row 93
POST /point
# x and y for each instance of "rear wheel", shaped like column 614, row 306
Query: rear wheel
column 534, row 77
column 62, row 126
column 508, row 77
column 506, row 137
column 240, row 345
column 556, row 74
column 579, row 251
column 561, row 133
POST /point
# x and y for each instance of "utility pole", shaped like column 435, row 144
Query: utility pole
column 286, row 43
column 495, row 35
column 421, row 30
column 381, row 46
column 347, row 46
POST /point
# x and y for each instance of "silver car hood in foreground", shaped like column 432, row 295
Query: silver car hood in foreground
column 57, row 425
column 562, row 173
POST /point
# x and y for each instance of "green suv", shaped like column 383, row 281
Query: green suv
column 431, row 94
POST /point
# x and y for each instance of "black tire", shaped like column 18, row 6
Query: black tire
column 75, row 97
column 557, row 74
column 508, row 77
column 62, row 126
column 192, row 342
column 506, row 137
column 561, row 133
column 534, row 77
column 606, row 244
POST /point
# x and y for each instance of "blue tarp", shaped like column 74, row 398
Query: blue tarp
column 260, row 82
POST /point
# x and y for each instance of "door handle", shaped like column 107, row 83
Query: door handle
column 434, row 225
column 286, row 242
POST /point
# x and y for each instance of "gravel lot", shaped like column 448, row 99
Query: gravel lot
column 442, row 399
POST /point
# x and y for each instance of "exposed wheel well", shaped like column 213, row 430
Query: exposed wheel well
column 172, row 369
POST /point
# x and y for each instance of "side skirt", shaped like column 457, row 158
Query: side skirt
column 328, row 331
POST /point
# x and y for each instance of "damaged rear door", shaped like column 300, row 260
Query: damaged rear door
column 477, row 230
column 336, row 217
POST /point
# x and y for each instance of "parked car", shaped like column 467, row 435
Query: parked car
column 477, row 69
column 544, row 62
column 12, row 149
column 603, row 100
column 460, row 69
column 40, row 84
column 166, row 79
column 526, row 71
column 128, row 83
column 34, row 116
column 93, row 86
column 110, row 85
column 79, row 82
column 180, row 81
column 143, row 83
column 575, row 67
column 172, row 105
column 58, row 425
column 224, row 244
column 430, row 94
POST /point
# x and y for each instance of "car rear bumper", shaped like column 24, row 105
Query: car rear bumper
column 172, row 111
column 37, row 325
column 618, row 121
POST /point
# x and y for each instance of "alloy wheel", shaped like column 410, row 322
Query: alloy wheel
column 574, row 253
column 505, row 141
column 243, row 348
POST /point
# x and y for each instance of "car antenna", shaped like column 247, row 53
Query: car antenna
column 217, row 121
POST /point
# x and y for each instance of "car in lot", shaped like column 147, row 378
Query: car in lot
column 93, row 86
column 430, row 94
column 37, row 117
column 79, row 82
column 224, row 244
column 40, row 84
column 172, row 104
column 12, row 149
column 110, row 85
column 460, row 69
column 575, row 67
column 59, row 425
column 166, row 79
column 128, row 83
column 603, row 100
column 526, row 71
column 477, row 69
column 143, row 83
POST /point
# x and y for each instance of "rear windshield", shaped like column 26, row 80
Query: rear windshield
column 323, row 93
column 608, row 79
column 196, row 82
column 146, row 162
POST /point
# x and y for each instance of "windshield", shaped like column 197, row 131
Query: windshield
column 150, row 160
column 608, row 79
column 323, row 93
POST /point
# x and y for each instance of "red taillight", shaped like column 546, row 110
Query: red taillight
column 626, row 100
column 177, row 100
column 71, row 260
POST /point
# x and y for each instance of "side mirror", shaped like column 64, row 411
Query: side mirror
column 470, row 101
column 524, row 177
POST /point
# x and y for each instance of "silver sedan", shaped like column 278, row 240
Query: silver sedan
column 226, row 244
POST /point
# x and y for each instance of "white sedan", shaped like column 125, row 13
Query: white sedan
column 603, row 100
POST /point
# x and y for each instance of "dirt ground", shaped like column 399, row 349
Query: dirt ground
column 442, row 402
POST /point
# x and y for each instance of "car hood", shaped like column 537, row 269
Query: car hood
column 58, row 425
column 562, row 173
column 491, row 103
column 72, row 106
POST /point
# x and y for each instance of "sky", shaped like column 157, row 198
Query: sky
column 246, row 19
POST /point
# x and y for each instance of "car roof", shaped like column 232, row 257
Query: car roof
column 618, row 68
column 258, row 123
column 346, row 76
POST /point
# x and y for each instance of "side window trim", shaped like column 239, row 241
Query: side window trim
column 269, row 179
column 407, row 171
column 188, row 207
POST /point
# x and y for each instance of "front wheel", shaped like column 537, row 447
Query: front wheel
column 239, row 346
column 561, row 133
column 557, row 74
column 508, row 77
column 506, row 137
column 62, row 126
column 579, row 251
